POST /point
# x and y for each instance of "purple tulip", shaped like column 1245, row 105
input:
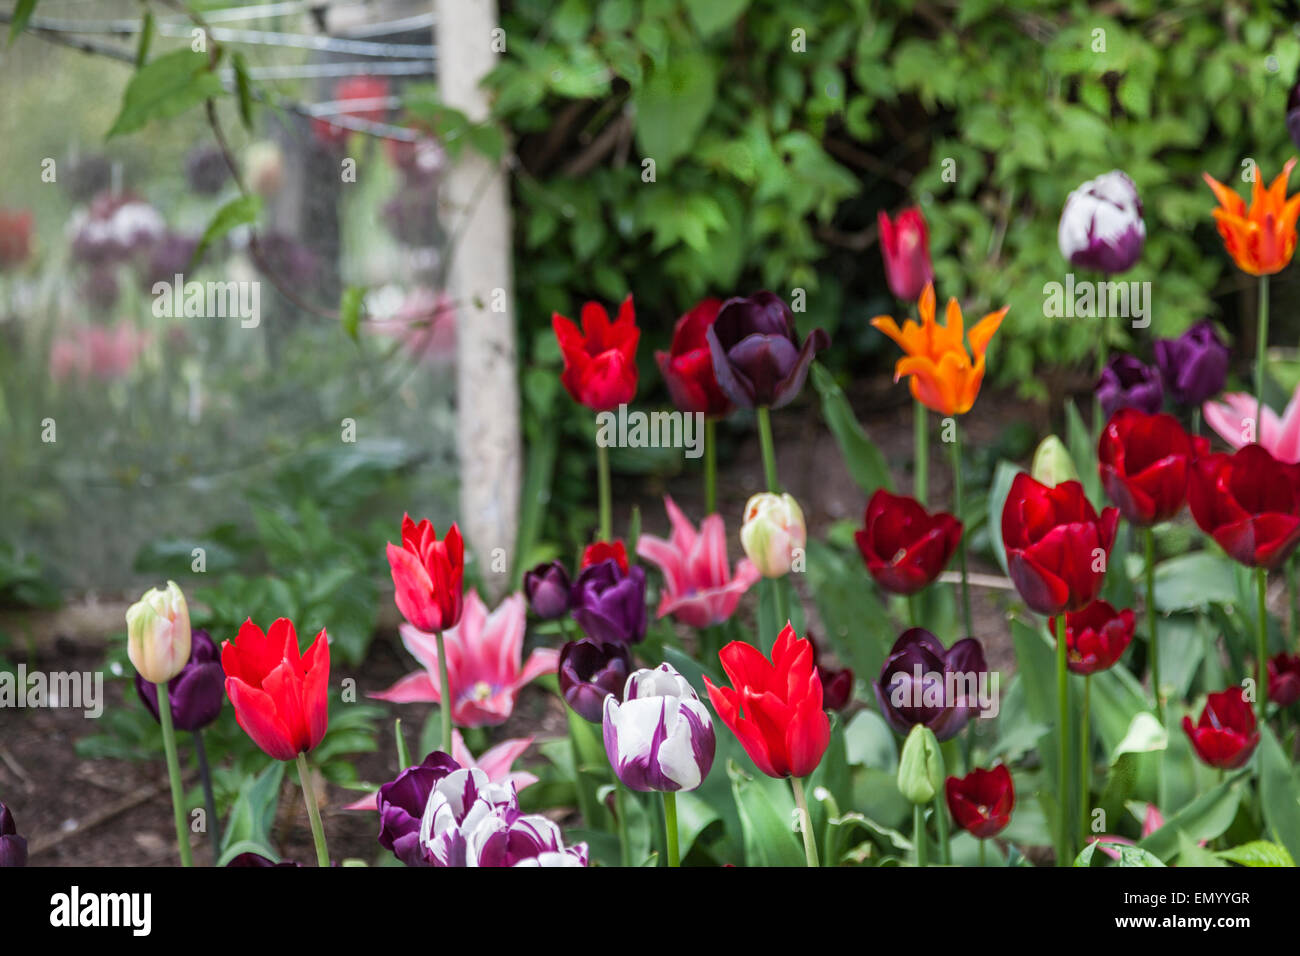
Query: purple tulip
column 206, row 170
column 610, row 605
column 589, row 672
column 401, row 805
column 756, row 354
column 508, row 837
column 1193, row 366
column 660, row 737
column 915, row 687
column 13, row 848
column 1101, row 225
column 548, row 590
column 196, row 692
column 1127, row 383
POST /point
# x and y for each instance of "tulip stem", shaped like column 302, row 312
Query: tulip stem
column 983, row 857
column 710, row 467
column 313, row 811
column 209, row 799
column 941, row 821
column 918, row 833
column 1152, row 623
column 805, row 823
column 1085, row 754
column 602, row 478
column 921, row 447
column 444, row 694
column 1064, row 856
column 1261, row 355
column 174, row 774
column 670, row 827
column 961, row 544
column 620, row 808
column 768, row 447
column 1261, row 665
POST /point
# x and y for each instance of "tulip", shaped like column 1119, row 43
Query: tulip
column 485, row 667
column 281, row 698
column 1096, row 637
column 428, row 575
column 591, row 671
column 196, row 693
column 609, row 604
column 774, row 707
column 599, row 551
column 1233, row 419
column 1056, row 544
column 510, row 838
column 496, row 762
column 914, row 680
column 773, row 533
column 1144, row 461
column 904, row 546
column 905, row 247
column 837, row 684
column 13, row 848
column 1284, row 679
column 1101, row 225
column 1261, row 239
column 1225, row 735
column 158, row 634
column 600, row 361
column 660, row 736
column 401, row 804
column 368, row 93
column 943, row 377
column 1193, row 366
column 687, row 367
column 699, row 589
column 1249, row 502
column 756, row 353
column 1052, row 463
column 548, row 590
column 981, row 802
column 920, row 767
column 1127, row 383
column 15, row 238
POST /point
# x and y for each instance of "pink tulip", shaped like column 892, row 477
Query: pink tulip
column 1280, row 437
column 495, row 762
column 698, row 587
column 485, row 669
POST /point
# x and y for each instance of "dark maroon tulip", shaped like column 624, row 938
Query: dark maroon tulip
column 1226, row 735
column 548, row 589
column 589, row 672
column 1249, row 502
column 252, row 860
column 981, row 802
column 609, row 603
column 1284, row 679
column 13, row 848
column 756, row 354
column 1096, row 637
column 401, row 805
column 1293, row 114
column 837, row 684
column 903, row 545
column 1144, row 461
column 1193, row 366
column 1127, row 383
column 206, row 170
column 917, row 669
column 196, row 692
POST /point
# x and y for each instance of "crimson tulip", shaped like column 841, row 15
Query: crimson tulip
column 1096, row 637
column 600, row 361
column 428, row 575
column 904, row 546
column 1144, row 461
column 981, row 802
column 1056, row 543
column 599, row 551
column 1284, row 679
column 281, row 698
column 774, row 707
column 1225, row 735
column 905, row 247
column 1249, row 502
column 687, row 366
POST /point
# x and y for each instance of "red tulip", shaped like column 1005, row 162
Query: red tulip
column 1225, row 736
column 1249, row 502
column 905, row 246
column 981, row 802
column 428, row 575
column 1284, row 679
column 599, row 551
column 774, row 707
column 1096, row 637
column 904, row 546
column 369, row 91
column 1057, row 546
column 600, row 361
column 281, row 698
column 687, row 367
column 1144, row 461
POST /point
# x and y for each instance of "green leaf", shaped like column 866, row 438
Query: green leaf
column 253, row 811
column 244, row 89
column 350, row 310
column 766, row 807
column 1193, row 581
column 146, row 39
column 1128, row 855
column 166, row 87
column 1279, row 793
column 671, row 107
column 1204, row 818
column 1257, row 853
column 710, row 16
column 999, row 488
column 864, row 460
column 23, row 11
column 240, row 211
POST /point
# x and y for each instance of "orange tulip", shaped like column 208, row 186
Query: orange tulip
column 944, row 379
column 1262, row 238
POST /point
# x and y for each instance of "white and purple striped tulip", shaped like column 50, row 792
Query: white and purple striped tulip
column 507, row 837
column 459, row 803
column 1101, row 225
column 660, row 738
